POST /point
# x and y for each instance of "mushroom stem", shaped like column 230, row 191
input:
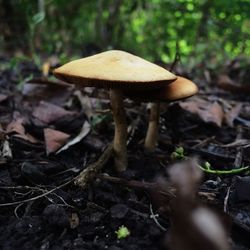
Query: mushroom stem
column 120, row 138
column 152, row 132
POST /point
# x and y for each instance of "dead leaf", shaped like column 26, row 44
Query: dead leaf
column 47, row 112
column 213, row 113
column 42, row 89
column 54, row 140
column 84, row 132
column 208, row 112
column 16, row 126
column 226, row 83
column 232, row 114
column 17, row 129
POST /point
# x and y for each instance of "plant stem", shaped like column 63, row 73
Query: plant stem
column 152, row 132
column 120, row 138
column 230, row 171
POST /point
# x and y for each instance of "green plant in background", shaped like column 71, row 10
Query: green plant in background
column 122, row 232
column 207, row 31
column 33, row 22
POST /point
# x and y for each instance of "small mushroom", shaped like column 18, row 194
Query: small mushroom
column 118, row 71
column 177, row 90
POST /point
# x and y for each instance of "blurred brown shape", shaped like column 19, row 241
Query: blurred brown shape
column 193, row 226
column 226, row 83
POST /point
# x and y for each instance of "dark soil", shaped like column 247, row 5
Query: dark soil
column 41, row 208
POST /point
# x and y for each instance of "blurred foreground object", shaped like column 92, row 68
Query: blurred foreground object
column 193, row 225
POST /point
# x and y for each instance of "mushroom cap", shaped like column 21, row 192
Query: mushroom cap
column 177, row 90
column 113, row 69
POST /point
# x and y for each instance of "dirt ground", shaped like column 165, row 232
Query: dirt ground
column 42, row 208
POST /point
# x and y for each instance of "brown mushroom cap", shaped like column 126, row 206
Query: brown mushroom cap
column 112, row 69
column 177, row 90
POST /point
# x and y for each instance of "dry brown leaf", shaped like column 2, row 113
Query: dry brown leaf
column 226, row 83
column 47, row 112
column 212, row 113
column 16, row 127
column 42, row 89
column 54, row 140
column 232, row 114
column 208, row 112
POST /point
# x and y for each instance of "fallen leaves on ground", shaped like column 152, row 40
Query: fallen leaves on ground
column 39, row 89
column 48, row 112
column 54, row 140
column 207, row 111
column 17, row 129
column 84, row 132
column 226, row 83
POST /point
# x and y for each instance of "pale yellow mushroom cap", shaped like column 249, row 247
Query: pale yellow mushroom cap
column 115, row 68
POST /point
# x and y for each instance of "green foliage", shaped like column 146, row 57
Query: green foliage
column 122, row 232
column 178, row 154
column 206, row 30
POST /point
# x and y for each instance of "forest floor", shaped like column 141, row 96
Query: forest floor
column 50, row 132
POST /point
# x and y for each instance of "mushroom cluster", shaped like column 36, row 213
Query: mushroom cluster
column 124, row 75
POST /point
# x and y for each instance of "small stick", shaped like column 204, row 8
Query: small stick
column 90, row 173
column 36, row 197
column 148, row 186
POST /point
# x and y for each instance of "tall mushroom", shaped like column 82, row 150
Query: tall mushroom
column 118, row 71
column 177, row 90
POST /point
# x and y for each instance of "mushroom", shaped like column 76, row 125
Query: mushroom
column 177, row 90
column 118, row 71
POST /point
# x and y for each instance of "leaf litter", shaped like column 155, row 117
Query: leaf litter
column 48, row 137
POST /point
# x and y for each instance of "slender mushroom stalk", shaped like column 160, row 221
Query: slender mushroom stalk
column 152, row 132
column 177, row 90
column 120, row 138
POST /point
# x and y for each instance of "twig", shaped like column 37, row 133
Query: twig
column 148, row 186
column 36, row 197
column 226, row 200
column 90, row 173
column 154, row 217
column 239, row 155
